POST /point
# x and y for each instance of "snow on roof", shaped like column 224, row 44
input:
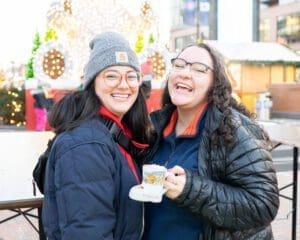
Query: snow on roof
column 255, row 52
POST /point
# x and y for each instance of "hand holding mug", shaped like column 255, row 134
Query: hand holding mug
column 174, row 182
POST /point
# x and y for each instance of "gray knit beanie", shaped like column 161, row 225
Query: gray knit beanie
column 108, row 49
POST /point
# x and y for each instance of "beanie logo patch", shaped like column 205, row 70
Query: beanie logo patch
column 121, row 57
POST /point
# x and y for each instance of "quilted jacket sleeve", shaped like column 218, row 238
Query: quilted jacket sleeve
column 247, row 197
column 85, row 192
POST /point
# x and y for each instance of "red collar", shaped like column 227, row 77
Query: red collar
column 103, row 111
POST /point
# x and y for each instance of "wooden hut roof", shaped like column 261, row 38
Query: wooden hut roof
column 265, row 52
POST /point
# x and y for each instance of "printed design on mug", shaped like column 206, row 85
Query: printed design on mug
column 154, row 178
column 152, row 187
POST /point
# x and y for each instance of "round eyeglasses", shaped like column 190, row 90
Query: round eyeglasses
column 197, row 68
column 113, row 78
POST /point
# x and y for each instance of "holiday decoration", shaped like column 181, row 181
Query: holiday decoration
column 12, row 111
column 72, row 24
column 139, row 44
column 159, row 65
column 58, row 62
column 50, row 34
column 151, row 39
column 97, row 16
column 147, row 16
column 29, row 73
column 160, row 59
column 52, row 62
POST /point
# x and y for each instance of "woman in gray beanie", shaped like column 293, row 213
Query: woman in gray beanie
column 102, row 130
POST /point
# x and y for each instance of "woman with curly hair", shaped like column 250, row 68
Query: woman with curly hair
column 224, row 184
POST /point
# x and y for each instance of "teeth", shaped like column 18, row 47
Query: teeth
column 120, row 95
column 180, row 85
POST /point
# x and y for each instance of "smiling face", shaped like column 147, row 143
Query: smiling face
column 188, row 87
column 118, row 99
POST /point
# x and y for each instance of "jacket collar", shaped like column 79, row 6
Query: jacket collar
column 161, row 118
column 214, row 118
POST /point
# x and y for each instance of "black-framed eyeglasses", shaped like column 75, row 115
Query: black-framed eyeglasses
column 197, row 68
column 113, row 78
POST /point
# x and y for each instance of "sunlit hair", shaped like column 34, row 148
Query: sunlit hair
column 219, row 95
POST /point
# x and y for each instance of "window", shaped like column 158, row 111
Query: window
column 298, row 74
column 264, row 30
column 288, row 28
column 183, row 41
column 287, row 1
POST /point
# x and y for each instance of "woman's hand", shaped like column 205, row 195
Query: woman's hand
column 175, row 182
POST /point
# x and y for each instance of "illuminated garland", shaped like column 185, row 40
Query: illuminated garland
column 97, row 16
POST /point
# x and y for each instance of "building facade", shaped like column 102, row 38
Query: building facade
column 197, row 20
column 192, row 21
column 280, row 22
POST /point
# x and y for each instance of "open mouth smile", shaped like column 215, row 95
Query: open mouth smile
column 182, row 86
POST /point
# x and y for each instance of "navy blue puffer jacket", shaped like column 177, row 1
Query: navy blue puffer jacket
column 86, row 188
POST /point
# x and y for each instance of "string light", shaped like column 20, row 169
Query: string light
column 159, row 66
column 147, row 16
column 14, row 103
column 100, row 15
column 160, row 60
column 60, row 18
column 53, row 63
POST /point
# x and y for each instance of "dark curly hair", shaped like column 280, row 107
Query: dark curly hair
column 220, row 96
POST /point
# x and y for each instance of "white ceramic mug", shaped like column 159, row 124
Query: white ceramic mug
column 153, row 178
column 152, row 187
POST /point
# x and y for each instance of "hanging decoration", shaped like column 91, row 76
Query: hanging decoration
column 52, row 62
column 147, row 16
column 158, row 62
column 160, row 58
column 159, row 65
column 50, row 34
column 151, row 39
column 60, row 18
column 139, row 44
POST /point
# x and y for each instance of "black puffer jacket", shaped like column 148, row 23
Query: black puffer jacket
column 235, row 190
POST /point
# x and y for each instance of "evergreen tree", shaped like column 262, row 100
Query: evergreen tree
column 12, row 111
column 2, row 77
column 29, row 66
